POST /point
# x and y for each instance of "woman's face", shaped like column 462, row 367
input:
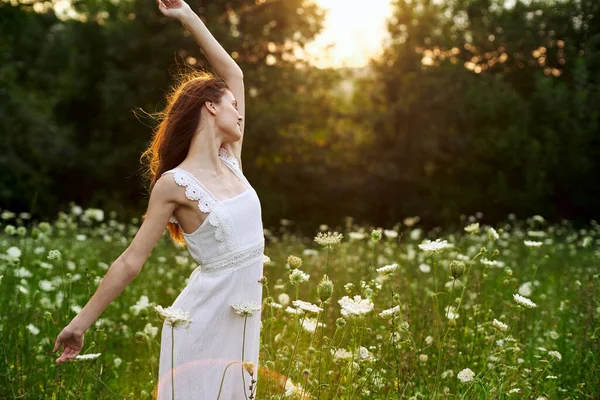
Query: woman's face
column 228, row 119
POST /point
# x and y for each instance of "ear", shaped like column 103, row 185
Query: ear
column 210, row 106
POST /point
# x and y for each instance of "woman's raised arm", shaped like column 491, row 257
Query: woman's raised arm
column 224, row 66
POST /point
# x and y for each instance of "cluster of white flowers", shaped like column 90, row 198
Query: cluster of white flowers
column 294, row 311
column 524, row 301
column 390, row 234
column 142, row 304
column 306, row 306
column 328, row 239
column 492, row 263
column 87, row 357
column 388, row 268
column 555, row 354
column 297, row 276
column 355, row 306
column 174, row 316
column 341, row 354
column 493, row 234
column 246, row 308
column 266, row 260
column 473, row 228
column 434, row 247
column 310, row 324
column 390, row 312
column 531, row 243
column 466, row 375
column 356, row 235
column 499, row 325
column 54, row 255
column 451, row 312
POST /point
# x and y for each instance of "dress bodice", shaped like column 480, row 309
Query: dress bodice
column 233, row 229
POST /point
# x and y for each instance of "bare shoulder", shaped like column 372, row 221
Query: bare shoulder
column 166, row 190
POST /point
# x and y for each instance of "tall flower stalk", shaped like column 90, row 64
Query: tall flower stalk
column 174, row 317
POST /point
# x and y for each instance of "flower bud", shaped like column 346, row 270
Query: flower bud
column 325, row 289
column 457, row 268
column 263, row 280
column 294, row 262
column 340, row 322
column 376, row 235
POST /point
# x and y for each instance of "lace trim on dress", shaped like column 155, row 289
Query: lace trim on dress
column 207, row 203
column 233, row 262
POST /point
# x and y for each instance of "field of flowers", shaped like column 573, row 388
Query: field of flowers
column 511, row 311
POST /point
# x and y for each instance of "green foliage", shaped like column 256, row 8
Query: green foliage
column 472, row 107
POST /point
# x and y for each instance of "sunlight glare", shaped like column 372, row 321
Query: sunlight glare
column 356, row 29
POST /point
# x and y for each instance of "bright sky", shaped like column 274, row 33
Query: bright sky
column 355, row 28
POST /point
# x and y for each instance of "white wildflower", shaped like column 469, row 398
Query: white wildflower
column 174, row 316
column 310, row 324
column 390, row 312
column 436, row 246
column 473, row 228
column 294, row 311
column 246, row 308
column 142, row 304
column 466, row 375
column 524, row 301
column 387, row 268
column 356, row 235
column 297, row 276
column 306, row 306
column 284, row 299
column 499, row 325
column 14, row 252
column 33, row 329
column 425, row 268
column 328, row 239
column 390, row 234
column 525, row 289
column 531, row 243
column 87, row 357
column 355, row 306
column 555, row 354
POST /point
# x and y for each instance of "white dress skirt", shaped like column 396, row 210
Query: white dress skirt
column 229, row 248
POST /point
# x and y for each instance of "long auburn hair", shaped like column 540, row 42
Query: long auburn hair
column 177, row 124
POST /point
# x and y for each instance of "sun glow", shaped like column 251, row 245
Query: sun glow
column 354, row 29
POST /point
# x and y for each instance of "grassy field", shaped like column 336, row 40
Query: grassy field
column 506, row 312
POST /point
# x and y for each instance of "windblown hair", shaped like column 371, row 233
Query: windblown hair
column 177, row 124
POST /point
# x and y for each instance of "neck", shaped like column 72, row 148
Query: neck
column 203, row 153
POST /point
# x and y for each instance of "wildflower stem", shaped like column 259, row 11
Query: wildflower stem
column 321, row 348
column 374, row 367
column 293, row 353
column 172, row 362
column 223, row 378
column 243, row 346
column 448, row 327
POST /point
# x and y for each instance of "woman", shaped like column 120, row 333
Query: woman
column 199, row 192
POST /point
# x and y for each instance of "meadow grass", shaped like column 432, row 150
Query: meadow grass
column 395, row 313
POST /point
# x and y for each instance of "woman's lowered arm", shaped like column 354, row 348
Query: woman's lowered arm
column 224, row 66
column 123, row 271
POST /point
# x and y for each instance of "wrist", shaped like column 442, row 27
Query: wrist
column 78, row 326
column 186, row 14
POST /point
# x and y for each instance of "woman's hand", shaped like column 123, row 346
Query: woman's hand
column 72, row 340
column 173, row 8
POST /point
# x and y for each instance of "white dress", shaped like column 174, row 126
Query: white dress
column 229, row 248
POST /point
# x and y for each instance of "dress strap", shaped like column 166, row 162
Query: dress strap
column 234, row 165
